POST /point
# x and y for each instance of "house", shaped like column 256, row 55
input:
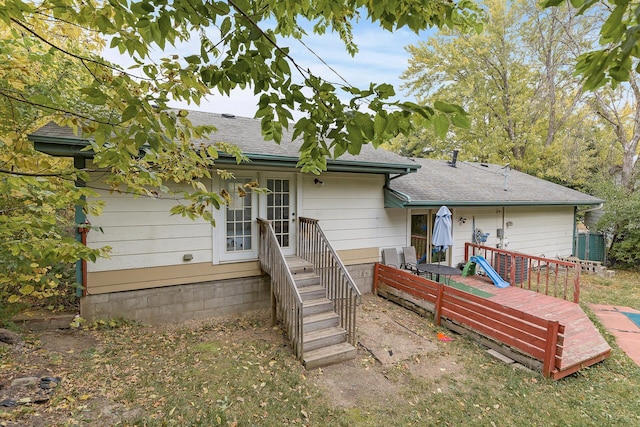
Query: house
column 168, row 268
column 490, row 204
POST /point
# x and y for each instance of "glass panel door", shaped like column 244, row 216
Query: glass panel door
column 280, row 211
column 419, row 236
column 239, row 217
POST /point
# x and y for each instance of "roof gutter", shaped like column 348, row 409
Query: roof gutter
column 597, row 208
column 332, row 165
column 65, row 147
column 61, row 147
column 404, row 198
column 459, row 203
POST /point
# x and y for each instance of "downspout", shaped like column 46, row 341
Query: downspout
column 574, row 248
column 503, row 225
column 81, row 233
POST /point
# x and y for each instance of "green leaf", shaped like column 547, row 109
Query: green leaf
column 40, row 99
column 441, row 125
column 379, row 124
column 550, row 3
column 164, row 24
column 225, row 27
column 129, row 113
column 447, row 108
column 461, row 121
column 94, row 96
column 27, row 290
column 613, row 29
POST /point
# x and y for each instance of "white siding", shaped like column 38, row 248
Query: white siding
column 536, row 231
column 351, row 211
column 142, row 234
column 350, row 208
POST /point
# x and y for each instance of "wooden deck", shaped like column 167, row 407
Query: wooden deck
column 575, row 344
column 583, row 345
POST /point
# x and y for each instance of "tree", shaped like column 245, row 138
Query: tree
column 37, row 193
column 516, row 81
column 47, row 75
column 619, row 36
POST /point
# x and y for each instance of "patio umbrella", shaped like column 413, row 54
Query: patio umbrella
column 441, row 238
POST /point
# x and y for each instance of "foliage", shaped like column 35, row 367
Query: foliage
column 515, row 80
column 51, row 70
column 619, row 36
column 621, row 222
column 37, row 193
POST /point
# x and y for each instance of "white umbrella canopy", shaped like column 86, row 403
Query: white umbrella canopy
column 441, row 238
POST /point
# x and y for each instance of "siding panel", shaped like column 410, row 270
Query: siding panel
column 142, row 234
column 351, row 211
column 536, row 231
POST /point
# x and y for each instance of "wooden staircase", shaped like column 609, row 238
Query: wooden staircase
column 324, row 341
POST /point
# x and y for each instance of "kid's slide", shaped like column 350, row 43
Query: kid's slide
column 493, row 275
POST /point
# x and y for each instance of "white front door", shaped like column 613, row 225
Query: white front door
column 281, row 210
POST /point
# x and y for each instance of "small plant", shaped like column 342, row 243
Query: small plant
column 76, row 322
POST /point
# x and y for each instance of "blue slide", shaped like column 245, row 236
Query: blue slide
column 493, row 275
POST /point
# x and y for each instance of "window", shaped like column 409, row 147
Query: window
column 278, row 207
column 236, row 234
column 239, row 235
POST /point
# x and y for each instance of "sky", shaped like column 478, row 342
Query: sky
column 381, row 59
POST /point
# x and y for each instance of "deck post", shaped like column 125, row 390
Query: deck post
column 550, row 348
column 438, row 306
column 376, row 270
column 576, row 284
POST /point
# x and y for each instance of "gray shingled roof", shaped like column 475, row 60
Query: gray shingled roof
column 479, row 184
column 246, row 133
column 436, row 183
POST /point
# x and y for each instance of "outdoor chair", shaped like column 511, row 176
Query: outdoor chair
column 390, row 257
column 410, row 259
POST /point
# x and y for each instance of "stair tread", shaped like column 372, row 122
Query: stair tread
column 311, row 288
column 294, row 261
column 322, row 333
column 306, row 275
column 316, row 301
column 320, row 353
column 319, row 316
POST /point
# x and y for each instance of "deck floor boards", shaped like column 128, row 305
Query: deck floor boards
column 582, row 341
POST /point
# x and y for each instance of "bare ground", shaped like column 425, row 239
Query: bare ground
column 394, row 345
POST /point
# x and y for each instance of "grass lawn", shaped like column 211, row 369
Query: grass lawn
column 241, row 372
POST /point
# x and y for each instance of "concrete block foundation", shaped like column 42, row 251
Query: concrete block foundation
column 181, row 302
column 197, row 300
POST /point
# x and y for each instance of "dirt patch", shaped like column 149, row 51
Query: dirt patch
column 392, row 333
column 69, row 342
column 394, row 347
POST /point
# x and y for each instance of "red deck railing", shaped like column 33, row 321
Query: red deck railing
column 560, row 279
column 539, row 338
